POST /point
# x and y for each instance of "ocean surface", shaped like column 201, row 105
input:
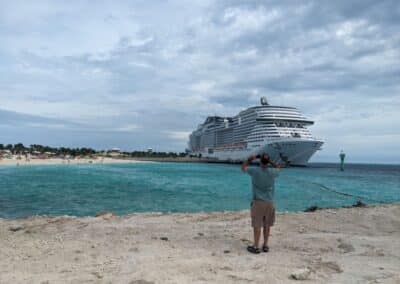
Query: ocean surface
column 83, row 190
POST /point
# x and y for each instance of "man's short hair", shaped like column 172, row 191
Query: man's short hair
column 265, row 159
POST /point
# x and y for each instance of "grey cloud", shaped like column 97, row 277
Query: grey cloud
column 31, row 129
column 169, row 65
column 365, row 52
column 11, row 118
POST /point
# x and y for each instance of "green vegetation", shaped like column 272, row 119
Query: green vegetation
column 143, row 154
column 83, row 152
column 19, row 148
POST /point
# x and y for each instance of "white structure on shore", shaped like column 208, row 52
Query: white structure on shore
column 6, row 154
column 280, row 131
column 114, row 152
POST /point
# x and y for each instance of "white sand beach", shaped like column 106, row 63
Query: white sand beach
column 347, row 245
column 58, row 161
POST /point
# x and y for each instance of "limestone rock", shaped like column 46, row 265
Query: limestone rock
column 301, row 274
column 105, row 215
column 15, row 228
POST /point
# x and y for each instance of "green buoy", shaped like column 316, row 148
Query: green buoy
column 342, row 155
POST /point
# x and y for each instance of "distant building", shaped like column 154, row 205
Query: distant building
column 35, row 154
column 5, row 154
column 114, row 152
column 150, row 150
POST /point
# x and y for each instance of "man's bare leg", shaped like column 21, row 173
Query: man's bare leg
column 257, row 234
column 266, row 235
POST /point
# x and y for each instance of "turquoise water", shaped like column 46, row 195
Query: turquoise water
column 83, row 190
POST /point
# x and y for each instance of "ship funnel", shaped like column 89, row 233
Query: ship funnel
column 264, row 101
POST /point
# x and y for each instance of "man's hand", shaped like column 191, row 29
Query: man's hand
column 275, row 165
column 246, row 163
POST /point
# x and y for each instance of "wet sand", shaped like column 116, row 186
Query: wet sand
column 347, row 245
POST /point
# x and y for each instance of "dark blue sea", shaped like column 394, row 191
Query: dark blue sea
column 83, row 190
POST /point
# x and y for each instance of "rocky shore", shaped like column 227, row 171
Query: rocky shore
column 347, row 245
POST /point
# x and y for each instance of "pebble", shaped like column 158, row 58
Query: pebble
column 141, row 281
column 97, row 274
column 301, row 274
column 346, row 247
column 30, row 231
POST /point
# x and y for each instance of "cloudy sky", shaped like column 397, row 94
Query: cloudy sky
column 139, row 74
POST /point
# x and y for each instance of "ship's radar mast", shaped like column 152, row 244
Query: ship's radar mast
column 264, row 101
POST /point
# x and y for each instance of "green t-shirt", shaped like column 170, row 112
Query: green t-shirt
column 263, row 182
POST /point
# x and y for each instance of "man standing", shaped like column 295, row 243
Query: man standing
column 262, row 207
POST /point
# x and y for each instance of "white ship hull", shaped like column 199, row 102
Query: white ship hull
column 296, row 152
column 280, row 131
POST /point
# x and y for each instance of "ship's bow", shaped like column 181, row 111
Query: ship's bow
column 293, row 152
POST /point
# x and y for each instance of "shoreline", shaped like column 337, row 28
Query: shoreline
column 108, row 160
column 344, row 245
column 59, row 161
column 311, row 209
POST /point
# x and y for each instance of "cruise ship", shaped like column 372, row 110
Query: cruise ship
column 280, row 131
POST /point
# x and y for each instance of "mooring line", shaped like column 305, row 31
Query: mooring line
column 323, row 187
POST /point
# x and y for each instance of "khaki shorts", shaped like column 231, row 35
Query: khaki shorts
column 262, row 214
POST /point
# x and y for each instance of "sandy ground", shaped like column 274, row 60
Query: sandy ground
column 56, row 161
column 348, row 245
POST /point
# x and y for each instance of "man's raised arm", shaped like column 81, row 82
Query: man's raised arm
column 246, row 163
